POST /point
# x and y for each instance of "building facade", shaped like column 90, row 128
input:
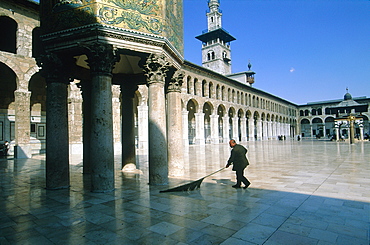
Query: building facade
column 317, row 120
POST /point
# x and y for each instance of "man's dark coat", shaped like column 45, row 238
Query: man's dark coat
column 238, row 158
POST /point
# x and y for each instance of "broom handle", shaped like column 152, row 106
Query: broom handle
column 214, row 172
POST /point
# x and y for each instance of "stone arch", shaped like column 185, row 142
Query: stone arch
column 241, row 117
column 256, row 118
column 196, row 87
column 37, row 87
column 218, row 92
column 192, row 108
column 221, row 113
column 223, row 93
column 329, row 123
column 317, row 127
column 211, row 93
column 231, row 115
column 208, row 111
column 305, row 127
column 204, row 88
column 8, row 83
column 189, row 86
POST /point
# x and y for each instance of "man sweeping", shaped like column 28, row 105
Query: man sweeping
column 240, row 162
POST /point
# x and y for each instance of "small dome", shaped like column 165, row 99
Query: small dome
column 347, row 96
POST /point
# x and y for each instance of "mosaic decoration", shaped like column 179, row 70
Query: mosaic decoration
column 136, row 14
column 157, row 17
column 174, row 30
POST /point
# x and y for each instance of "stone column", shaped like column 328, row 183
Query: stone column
column 101, row 60
column 86, row 129
column 226, row 136
column 259, row 129
column 174, row 126
column 117, row 116
column 214, row 129
column 199, row 128
column 22, row 148
column 57, row 140
column 142, row 125
column 251, row 129
column 128, row 126
column 270, row 133
column 156, row 68
column 243, row 128
column 263, row 130
column 361, row 132
column 185, row 132
column 235, row 129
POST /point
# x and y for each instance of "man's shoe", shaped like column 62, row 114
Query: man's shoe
column 236, row 186
column 245, row 187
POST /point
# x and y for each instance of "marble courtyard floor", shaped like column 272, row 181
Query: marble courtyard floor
column 307, row 192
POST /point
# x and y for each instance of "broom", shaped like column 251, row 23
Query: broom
column 192, row 185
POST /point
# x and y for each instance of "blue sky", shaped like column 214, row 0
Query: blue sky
column 301, row 50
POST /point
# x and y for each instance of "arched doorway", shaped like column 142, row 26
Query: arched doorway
column 220, row 114
column 207, row 110
column 191, row 108
column 305, row 128
column 8, row 84
column 317, row 127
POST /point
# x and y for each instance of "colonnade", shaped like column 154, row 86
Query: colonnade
column 164, row 137
column 221, row 131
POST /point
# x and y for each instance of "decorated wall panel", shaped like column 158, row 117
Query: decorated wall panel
column 158, row 17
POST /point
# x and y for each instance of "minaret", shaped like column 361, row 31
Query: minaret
column 216, row 53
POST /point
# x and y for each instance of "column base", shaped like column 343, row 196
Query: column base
column 22, row 151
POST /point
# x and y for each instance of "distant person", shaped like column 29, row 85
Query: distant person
column 239, row 161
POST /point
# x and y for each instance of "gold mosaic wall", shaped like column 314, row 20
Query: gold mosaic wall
column 158, row 17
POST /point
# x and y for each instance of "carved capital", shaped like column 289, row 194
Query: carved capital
column 101, row 57
column 176, row 82
column 52, row 68
column 156, row 68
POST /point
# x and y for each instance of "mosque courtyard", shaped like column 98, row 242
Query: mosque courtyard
column 302, row 192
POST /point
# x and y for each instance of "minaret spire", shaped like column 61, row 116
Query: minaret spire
column 214, row 15
column 216, row 53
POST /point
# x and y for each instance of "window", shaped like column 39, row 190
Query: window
column 8, row 30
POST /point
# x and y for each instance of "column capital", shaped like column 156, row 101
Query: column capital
column 176, row 82
column 101, row 57
column 53, row 68
column 156, row 68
